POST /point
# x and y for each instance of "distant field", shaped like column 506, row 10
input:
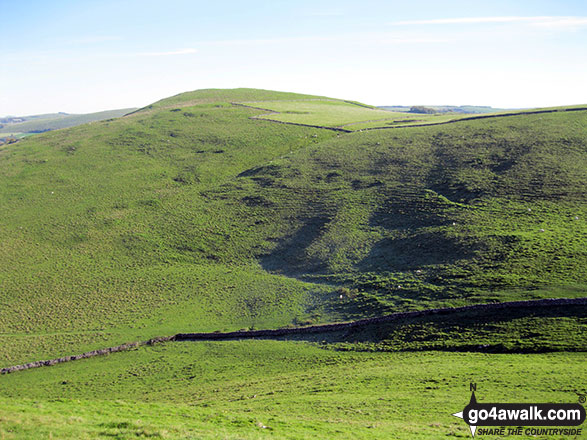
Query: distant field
column 341, row 114
column 412, row 119
column 468, row 109
column 352, row 116
column 42, row 123
column 15, row 135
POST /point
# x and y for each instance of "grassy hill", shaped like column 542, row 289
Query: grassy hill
column 196, row 214
column 109, row 225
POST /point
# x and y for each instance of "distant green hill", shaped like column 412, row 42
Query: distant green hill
column 467, row 109
column 18, row 119
column 53, row 121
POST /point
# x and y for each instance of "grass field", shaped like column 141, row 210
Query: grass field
column 341, row 114
column 194, row 214
column 353, row 116
column 268, row 389
column 404, row 120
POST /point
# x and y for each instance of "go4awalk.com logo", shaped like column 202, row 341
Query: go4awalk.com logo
column 529, row 419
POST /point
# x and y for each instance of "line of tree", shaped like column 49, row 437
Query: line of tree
column 422, row 109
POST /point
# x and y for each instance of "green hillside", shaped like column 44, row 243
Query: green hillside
column 468, row 212
column 109, row 232
column 195, row 214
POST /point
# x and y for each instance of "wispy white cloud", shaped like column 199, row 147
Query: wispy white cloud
column 95, row 39
column 414, row 40
column 468, row 20
column 560, row 22
column 266, row 41
column 376, row 37
column 169, row 53
column 324, row 14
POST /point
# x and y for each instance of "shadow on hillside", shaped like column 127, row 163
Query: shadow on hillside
column 409, row 244
column 290, row 257
column 408, row 217
column 413, row 252
column 512, row 330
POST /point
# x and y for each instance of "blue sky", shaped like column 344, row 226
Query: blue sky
column 83, row 56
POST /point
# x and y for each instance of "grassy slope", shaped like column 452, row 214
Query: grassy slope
column 57, row 121
column 344, row 114
column 231, row 390
column 107, row 232
column 512, row 330
column 405, row 120
column 189, row 215
column 356, row 116
column 475, row 211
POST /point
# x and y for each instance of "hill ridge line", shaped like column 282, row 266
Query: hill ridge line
column 319, row 328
